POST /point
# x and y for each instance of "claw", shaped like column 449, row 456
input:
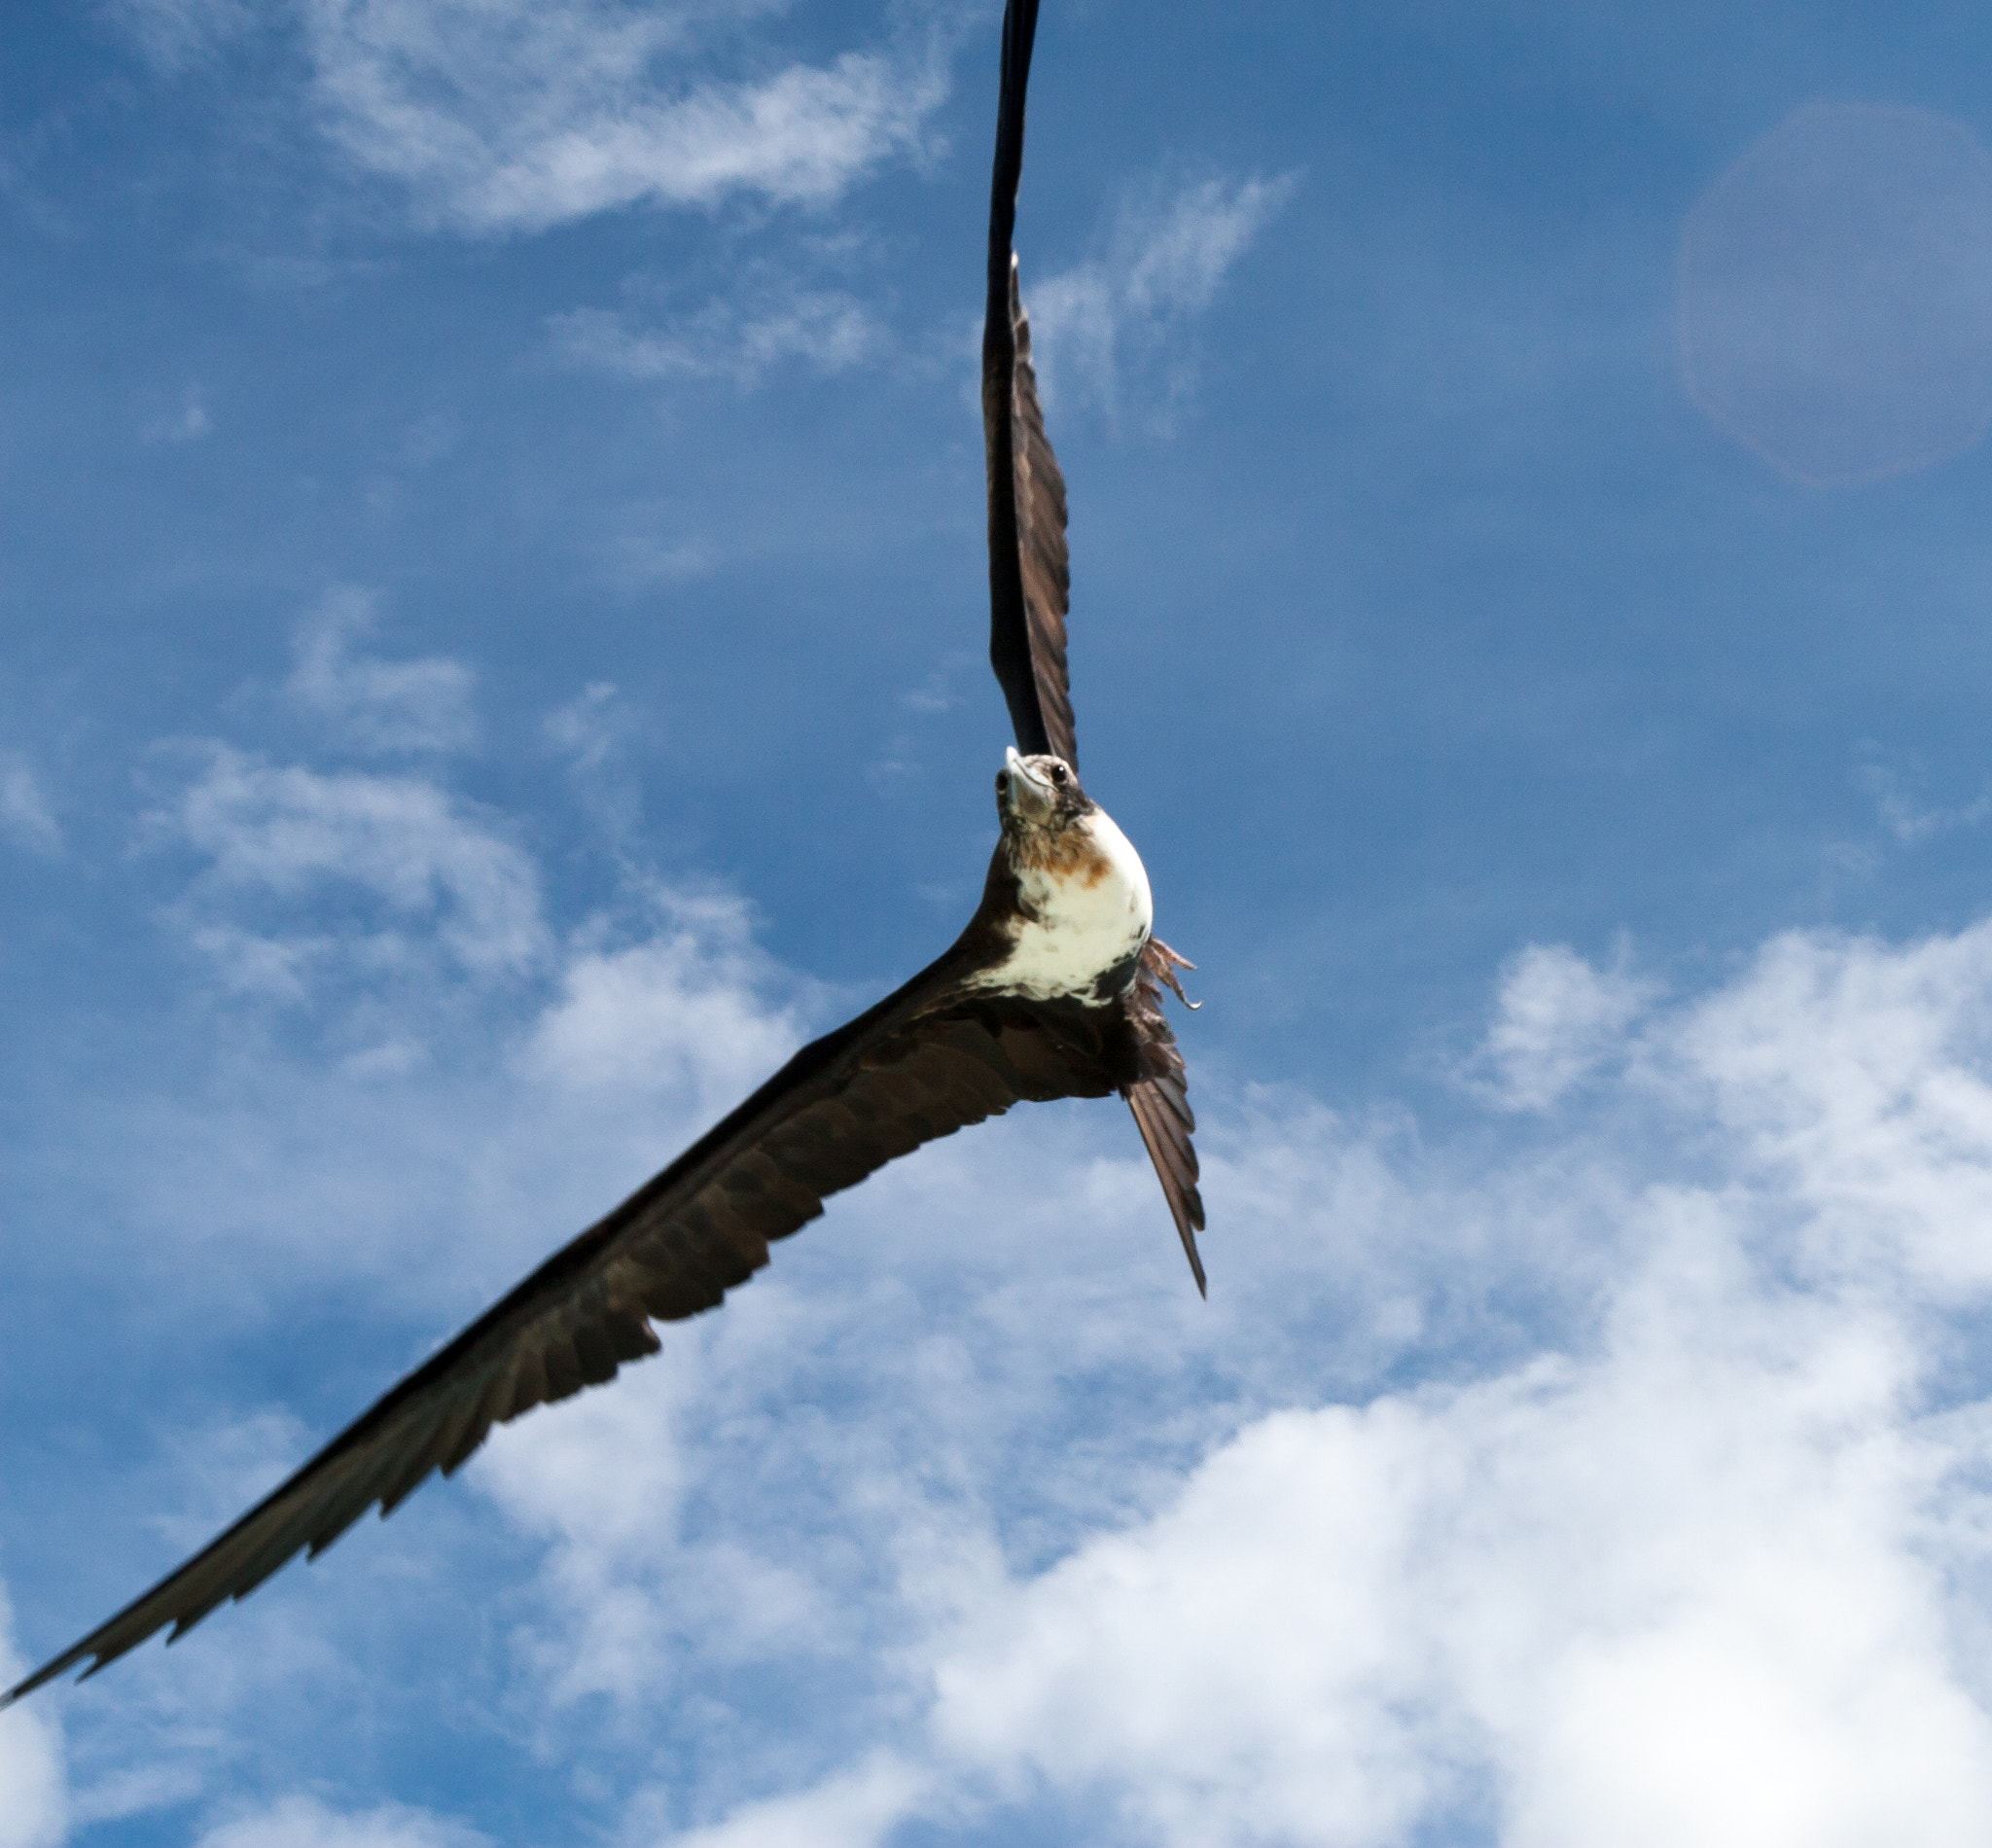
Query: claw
column 1163, row 963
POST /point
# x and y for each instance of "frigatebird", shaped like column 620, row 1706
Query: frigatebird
column 1054, row 990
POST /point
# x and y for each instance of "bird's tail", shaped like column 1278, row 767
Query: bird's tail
column 1160, row 1097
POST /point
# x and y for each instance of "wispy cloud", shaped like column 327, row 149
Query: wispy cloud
column 856, row 1809
column 34, row 1800
column 1117, row 328
column 742, row 338
column 303, row 1821
column 596, row 733
column 590, row 729
column 373, row 704
column 686, row 1008
column 415, row 855
column 25, row 817
column 185, row 421
column 647, row 545
column 1609, row 1484
column 174, row 34
column 220, row 1467
column 1688, row 1564
column 1555, row 1020
column 1909, row 818
column 367, row 900
column 1693, row 1538
column 508, row 115
column 133, row 1792
column 1693, row 1548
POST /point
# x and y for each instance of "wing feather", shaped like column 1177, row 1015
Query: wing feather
column 1175, row 1164
column 1159, row 1098
column 924, row 1063
column 1029, row 571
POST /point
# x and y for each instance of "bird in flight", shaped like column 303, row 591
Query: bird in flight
column 1054, row 990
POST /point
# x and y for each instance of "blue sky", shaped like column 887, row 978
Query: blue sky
column 495, row 611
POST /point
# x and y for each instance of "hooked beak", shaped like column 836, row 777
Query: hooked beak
column 1025, row 795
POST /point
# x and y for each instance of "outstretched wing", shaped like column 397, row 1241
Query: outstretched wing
column 1030, row 582
column 1028, row 577
column 921, row 1064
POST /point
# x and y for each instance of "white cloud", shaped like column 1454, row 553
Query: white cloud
column 1686, row 1555
column 587, row 730
column 303, row 1821
column 594, row 732
column 222, row 1469
column 858, row 1810
column 505, row 115
column 33, row 1790
column 135, row 1790
column 1119, row 326
column 432, row 1149
column 286, row 832
column 647, row 547
column 25, row 817
column 187, row 421
column 547, row 1475
column 372, row 704
column 432, row 437
column 502, row 115
column 684, row 1012
column 1176, row 259
column 1699, row 1576
column 1671, row 1593
column 174, row 34
column 1856, row 1078
column 1615, row 1484
column 742, row 339
column 1910, row 820
column 1555, row 1019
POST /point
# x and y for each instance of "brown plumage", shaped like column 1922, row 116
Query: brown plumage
column 1030, row 587
column 1029, row 577
column 934, row 1056
column 1160, row 1097
column 948, row 1048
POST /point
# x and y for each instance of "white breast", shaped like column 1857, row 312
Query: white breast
column 1078, row 926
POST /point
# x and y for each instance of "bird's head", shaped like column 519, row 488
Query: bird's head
column 1038, row 795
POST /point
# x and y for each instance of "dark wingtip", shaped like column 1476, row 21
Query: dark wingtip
column 47, row 1672
column 1188, row 1226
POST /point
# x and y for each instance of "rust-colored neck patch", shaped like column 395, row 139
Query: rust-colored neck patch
column 1068, row 853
